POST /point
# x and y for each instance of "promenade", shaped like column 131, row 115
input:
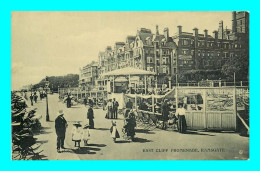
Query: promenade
column 155, row 144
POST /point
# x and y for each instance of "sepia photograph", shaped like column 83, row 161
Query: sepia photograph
column 130, row 85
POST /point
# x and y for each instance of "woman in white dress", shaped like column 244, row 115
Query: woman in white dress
column 114, row 132
column 77, row 134
column 180, row 114
column 86, row 134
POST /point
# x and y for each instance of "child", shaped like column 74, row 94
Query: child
column 77, row 134
column 86, row 134
column 114, row 132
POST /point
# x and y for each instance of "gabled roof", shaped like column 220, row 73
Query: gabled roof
column 158, row 38
column 130, row 39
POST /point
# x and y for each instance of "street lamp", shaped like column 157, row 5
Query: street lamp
column 46, row 90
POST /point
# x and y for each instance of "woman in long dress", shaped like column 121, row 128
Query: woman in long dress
column 180, row 114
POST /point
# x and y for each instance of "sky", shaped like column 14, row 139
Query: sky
column 59, row 43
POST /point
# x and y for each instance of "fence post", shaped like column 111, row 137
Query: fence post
column 204, row 107
column 241, row 83
column 235, row 107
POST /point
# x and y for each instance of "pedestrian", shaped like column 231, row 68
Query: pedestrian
column 68, row 100
column 41, row 95
column 109, row 109
column 129, row 104
column 165, row 113
column 35, row 98
column 90, row 102
column 104, row 104
column 60, row 127
column 31, row 98
column 115, row 108
column 85, row 101
column 114, row 132
column 180, row 114
column 130, row 124
column 86, row 134
column 77, row 133
column 90, row 117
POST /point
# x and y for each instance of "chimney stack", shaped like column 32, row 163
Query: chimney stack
column 157, row 30
column 206, row 33
column 166, row 33
column 215, row 35
column 179, row 29
column 221, row 30
column 234, row 22
column 195, row 32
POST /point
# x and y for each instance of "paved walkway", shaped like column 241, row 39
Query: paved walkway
column 155, row 144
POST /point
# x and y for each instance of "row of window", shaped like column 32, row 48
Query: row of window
column 202, row 43
column 164, row 70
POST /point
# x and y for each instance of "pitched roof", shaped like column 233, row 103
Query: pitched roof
column 130, row 39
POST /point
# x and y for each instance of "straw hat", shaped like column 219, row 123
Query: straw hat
column 60, row 112
column 77, row 124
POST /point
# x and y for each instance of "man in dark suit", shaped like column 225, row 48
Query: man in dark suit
column 60, row 127
column 165, row 113
column 115, row 109
column 90, row 117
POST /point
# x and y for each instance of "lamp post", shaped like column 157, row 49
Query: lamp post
column 46, row 90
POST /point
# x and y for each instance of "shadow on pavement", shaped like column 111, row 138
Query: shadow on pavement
column 42, row 141
column 145, row 131
column 122, row 141
column 97, row 145
column 75, row 107
column 102, row 129
column 141, row 140
column 197, row 133
column 43, row 130
column 84, row 150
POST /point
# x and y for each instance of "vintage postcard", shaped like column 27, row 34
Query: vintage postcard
column 130, row 85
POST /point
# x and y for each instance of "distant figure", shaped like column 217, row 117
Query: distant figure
column 90, row 117
column 130, row 124
column 60, row 127
column 86, row 134
column 31, row 98
column 85, row 101
column 129, row 104
column 180, row 114
column 115, row 109
column 109, row 109
column 35, row 98
column 77, row 134
column 114, row 132
column 165, row 113
column 68, row 101
column 90, row 102
column 104, row 104
column 41, row 95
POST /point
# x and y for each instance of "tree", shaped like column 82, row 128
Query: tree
column 70, row 80
column 238, row 65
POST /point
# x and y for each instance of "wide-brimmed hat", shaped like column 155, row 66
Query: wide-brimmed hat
column 61, row 112
column 77, row 124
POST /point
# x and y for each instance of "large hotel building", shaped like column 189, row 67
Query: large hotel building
column 184, row 53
